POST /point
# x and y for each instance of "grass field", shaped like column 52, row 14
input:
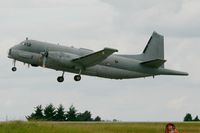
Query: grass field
column 48, row 127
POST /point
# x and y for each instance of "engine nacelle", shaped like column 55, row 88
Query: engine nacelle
column 27, row 57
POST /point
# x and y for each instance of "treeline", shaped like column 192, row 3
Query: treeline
column 51, row 113
column 188, row 118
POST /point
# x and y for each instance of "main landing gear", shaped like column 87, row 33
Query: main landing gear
column 61, row 78
column 78, row 77
column 14, row 68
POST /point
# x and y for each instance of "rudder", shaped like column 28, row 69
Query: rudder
column 154, row 48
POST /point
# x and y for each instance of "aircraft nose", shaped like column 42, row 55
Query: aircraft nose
column 10, row 52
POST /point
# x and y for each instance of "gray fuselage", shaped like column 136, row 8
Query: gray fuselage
column 60, row 59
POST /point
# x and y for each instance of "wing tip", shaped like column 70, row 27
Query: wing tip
column 111, row 49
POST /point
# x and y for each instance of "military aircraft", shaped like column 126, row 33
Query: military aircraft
column 102, row 63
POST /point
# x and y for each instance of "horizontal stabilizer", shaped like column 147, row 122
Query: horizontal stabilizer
column 94, row 58
column 154, row 63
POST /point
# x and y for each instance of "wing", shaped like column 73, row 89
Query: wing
column 94, row 58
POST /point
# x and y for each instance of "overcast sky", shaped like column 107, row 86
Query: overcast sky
column 125, row 25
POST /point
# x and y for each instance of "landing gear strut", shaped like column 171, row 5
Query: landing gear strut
column 78, row 77
column 14, row 68
column 61, row 78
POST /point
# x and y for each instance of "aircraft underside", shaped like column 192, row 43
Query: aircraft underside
column 98, row 71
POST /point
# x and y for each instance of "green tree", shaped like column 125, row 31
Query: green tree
column 49, row 112
column 60, row 113
column 196, row 118
column 86, row 116
column 37, row 115
column 188, row 117
column 71, row 114
column 97, row 118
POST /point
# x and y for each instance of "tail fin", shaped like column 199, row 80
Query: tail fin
column 153, row 54
column 154, row 48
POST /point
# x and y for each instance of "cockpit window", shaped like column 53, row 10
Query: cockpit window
column 28, row 44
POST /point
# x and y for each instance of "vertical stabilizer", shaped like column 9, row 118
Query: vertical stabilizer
column 154, row 48
column 153, row 53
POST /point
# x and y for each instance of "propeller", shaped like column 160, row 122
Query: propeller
column 45, row 56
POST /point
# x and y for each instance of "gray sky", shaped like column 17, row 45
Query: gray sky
column 125, row 25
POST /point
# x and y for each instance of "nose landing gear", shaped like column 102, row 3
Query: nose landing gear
column 14, row 68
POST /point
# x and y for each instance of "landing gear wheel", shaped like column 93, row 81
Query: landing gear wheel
column 14, row 69
column 60, row 79
column 77, row 77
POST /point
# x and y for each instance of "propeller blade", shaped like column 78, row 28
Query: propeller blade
column 45, row 56
column 44, row 62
